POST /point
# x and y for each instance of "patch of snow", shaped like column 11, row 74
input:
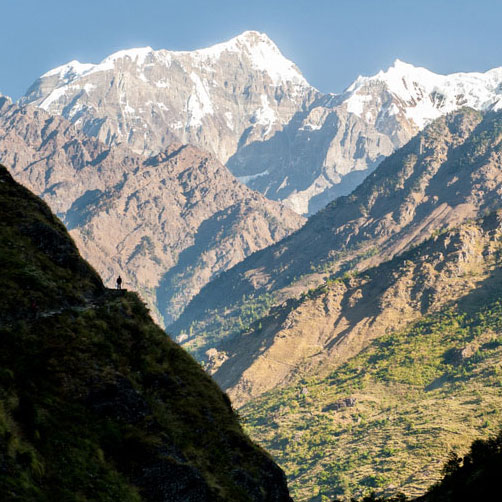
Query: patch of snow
column 247, row 179
column 311, row 127
column 157, row 104
column 284, row 184
column 69, row 70
column 265, row 115
column 393, row 110
column 74, row 69
column 230, row 120
column 497, row 106
column 53, row 96
column 138, row 55
column 199, row 103
column 355, row 104
column 263, row 54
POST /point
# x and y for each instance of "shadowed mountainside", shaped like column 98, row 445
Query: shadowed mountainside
column 96, row 402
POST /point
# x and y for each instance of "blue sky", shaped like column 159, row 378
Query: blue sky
column 332, row 41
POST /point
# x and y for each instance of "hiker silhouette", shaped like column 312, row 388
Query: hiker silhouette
column 119, row 282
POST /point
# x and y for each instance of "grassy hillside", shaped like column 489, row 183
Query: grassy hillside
column 476, row 476
column 96, row 403
column 387, row 419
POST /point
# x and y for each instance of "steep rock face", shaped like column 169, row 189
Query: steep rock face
column 96, row 403
column 168, row 224
column 327, row 150
column 320, row 154
column 448, row 173
column 217, row 98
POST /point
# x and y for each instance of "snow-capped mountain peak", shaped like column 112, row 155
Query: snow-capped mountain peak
column 261, row 51
column 208, row 97
column 257, row 47
column 422, row 95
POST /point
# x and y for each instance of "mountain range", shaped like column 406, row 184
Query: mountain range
column 374, row 324
column 358, row 345
column 367, row 381
column 243, row 101
column 446, row 174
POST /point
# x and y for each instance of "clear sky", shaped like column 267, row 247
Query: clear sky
column 332, row 41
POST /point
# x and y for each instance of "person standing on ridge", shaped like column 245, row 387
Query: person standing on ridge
column 119, row 282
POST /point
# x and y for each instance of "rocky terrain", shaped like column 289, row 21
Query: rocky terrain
column 448, row 173
column 251, row 107
column 333, row 323
column 167, row 224
column 96, row 402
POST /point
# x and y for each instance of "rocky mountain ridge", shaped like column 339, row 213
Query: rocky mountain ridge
column 333, row 323
column 167, row 224
column 448, row 173
column 341, row 138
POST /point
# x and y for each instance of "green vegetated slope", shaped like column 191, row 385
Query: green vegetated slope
column 448, row 173
column 96, row 403
column 476, row 476
column 387, row 418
